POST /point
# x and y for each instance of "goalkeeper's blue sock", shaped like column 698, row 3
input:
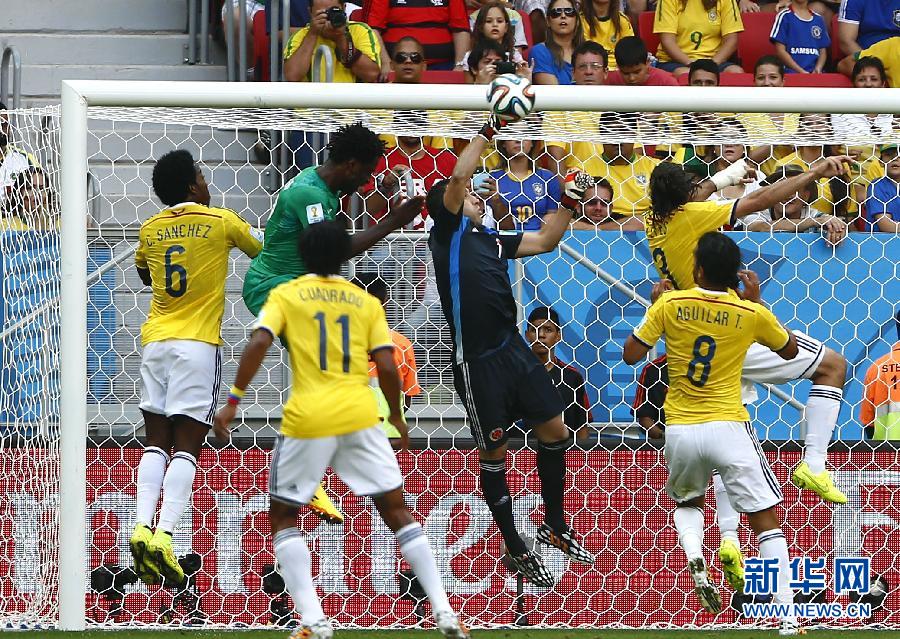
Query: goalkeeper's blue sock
column 177, row 487
column 496, row 494
column 295, row 567
column 689, row 524
column 551, row 467
column 414, row 546
column 151, row 471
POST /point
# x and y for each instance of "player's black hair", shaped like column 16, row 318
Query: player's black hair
column 372, row 284
column 769, row 59
column 434, row 199
column 704, row 64
column 670, row 187
column 720, row 258
column 482, row 47
column 869, row 62
column 589, row 46
column 3, row 106
column 173, row 176
column 630, row 51
column 324, row 247
column 541, row 313
column 355, row 142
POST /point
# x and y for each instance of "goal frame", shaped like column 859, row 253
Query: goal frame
column 78, row 95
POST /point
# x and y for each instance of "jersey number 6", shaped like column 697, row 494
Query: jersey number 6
column 175, row 269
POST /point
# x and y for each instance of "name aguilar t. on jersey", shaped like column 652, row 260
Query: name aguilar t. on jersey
column 330, row 327
column 186, row 249
column 707, row 337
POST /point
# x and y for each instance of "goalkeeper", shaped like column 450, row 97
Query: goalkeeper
column 678, row 217
column 314, row 196
column 496, row 376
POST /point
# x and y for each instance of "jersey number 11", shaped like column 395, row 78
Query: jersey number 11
column 344, row 321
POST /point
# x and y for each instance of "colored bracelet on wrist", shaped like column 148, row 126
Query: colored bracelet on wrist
column 235, row 395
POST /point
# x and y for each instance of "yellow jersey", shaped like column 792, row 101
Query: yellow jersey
column 888, row 51
column 630, row 183
column 672, row 247
column 605, row 34
column 363, row 37
column 707, row 337
column 330, row 327
column 185, row 248
column 698, row 32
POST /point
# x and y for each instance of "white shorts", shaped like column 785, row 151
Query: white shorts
column 364, row 461
column 764, row 366
column 181, row 377
column 693, row 451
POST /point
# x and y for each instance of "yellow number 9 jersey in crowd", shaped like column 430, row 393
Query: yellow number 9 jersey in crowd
column 186, row 249
column 330, row 327
column 707, row 337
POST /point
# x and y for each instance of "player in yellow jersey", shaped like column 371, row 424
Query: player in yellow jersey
column 183, row 255
column 708, row 330
column 678, row 217
column 331, row 328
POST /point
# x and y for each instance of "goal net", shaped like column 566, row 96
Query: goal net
column 598, row 281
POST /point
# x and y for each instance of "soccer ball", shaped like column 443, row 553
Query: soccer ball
column 511, row 97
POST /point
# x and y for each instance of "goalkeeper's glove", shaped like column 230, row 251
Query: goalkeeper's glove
column 730, row 176
column 574, row 186
column 491, row 127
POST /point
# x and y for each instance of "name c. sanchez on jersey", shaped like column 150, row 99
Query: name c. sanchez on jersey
column 185, row 248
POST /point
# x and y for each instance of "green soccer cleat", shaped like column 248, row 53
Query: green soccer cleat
column 144, row 565
column 732, row 564
column 160, row 549
column 820, row 484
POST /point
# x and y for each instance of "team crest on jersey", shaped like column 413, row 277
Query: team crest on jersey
column 538, row 189
column 496, row 434
column 315, row 213
column 817, row 32
column 641, row 179
column 897, row 17
column 712, row 15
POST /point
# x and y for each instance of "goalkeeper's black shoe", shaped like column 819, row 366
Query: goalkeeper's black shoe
column 533, row 569
column 565, row 541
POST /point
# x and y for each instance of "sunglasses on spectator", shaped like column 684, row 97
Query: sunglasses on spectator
column 559, row 12
column 401, row 57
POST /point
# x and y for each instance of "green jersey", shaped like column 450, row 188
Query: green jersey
column 305, row 200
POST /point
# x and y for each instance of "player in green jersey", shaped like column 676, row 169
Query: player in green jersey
column 314, row 196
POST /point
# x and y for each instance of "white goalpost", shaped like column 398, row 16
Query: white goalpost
column 321, row 107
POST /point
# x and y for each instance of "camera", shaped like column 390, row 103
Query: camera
column 505, row 67
column 336, row 17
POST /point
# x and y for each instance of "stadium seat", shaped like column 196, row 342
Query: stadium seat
column 444, row 77
column 837, row 53
column 526, row 25
column 645, row 31
column 753, row 41
column 356, row 15
column 261, row 47
column 791, row 79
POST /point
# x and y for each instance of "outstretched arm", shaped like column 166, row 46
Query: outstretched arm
column 468, row 161
column 547, row 238
column 399, row 216
column 769, row 196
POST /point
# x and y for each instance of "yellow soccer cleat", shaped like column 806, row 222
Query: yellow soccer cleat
column 820, row 484
column 144, row 565
column 160, row 549
column 732, row 564
column 322, row 506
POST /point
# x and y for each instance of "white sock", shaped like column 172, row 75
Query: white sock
column 177, row 488
column 689, row 524
column 150, row 475
column 295, row 567
column 727, row 517
column 772, row 544
column 822, row 410
column 413, row 544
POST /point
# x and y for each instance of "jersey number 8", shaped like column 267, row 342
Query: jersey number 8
column 701, row 361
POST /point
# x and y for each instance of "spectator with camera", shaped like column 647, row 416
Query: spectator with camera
column 634, row 68
column 552, row 59
column 442, row 26
column 354, row 47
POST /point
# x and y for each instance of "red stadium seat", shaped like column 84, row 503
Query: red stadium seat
column 526, row 25
column 753, row 41
column 645, row 31
column 791, row 79
column 444, row 77
column 261, row 47
column 837, row 53
column 356, row 15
